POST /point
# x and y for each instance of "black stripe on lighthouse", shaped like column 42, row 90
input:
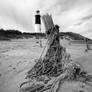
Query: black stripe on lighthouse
column 37, row 18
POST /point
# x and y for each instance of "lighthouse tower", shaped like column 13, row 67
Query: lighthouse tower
column 38, row 25
column 37, row 21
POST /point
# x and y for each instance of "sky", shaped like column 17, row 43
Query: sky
column 70, row 15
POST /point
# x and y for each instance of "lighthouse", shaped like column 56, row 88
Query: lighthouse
column 38, row 24
column 37, row 21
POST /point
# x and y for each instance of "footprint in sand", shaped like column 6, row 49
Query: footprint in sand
column 10, row 65
column 14, row 68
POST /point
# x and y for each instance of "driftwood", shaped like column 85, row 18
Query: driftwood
column 56, row 65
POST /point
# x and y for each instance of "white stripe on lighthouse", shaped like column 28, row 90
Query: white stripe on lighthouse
column 38, row 28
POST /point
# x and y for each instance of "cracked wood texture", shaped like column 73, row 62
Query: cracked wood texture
column 51, row 64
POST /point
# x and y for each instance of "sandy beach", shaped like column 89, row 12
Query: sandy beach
column 17, row 57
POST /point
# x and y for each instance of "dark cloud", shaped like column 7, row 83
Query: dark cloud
column 88, row 17
column 78, row 24
column 84, row 20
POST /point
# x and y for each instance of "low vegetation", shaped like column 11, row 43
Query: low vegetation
column 16, row 34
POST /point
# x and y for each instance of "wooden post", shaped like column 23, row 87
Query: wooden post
column 87, row 45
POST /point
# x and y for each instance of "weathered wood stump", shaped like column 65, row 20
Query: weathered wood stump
column 56, row 65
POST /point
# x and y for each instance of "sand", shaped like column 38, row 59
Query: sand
column 17, row 57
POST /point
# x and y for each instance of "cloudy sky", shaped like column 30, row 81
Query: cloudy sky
column 71, row 15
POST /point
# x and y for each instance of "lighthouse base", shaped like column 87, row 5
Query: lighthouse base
column 37, row 28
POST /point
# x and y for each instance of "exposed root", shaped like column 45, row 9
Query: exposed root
column 68, row 75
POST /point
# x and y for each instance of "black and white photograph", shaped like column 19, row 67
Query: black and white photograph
column 45, row 45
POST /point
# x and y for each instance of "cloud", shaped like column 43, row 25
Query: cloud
column 71, row 15
column 17, row 14
column 84, row 20
column 87, row 17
